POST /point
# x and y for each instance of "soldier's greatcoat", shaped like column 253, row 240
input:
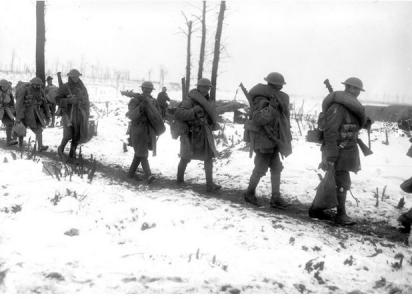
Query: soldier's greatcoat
column 196, row 139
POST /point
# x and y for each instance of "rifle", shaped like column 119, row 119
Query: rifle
column 365, row 149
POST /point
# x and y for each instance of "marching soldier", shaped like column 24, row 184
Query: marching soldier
column 7, row 110
column 51, row 92
column 32, row 110
column 73, row 101
column 162, row 99
column 198, row 114
column 344, row 116
column 143, row 129
column 270, row 136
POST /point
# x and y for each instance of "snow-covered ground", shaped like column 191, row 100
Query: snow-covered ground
column 125, row 237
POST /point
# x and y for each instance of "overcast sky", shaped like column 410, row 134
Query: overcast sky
column 307, row 41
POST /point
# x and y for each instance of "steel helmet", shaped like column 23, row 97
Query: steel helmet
column 74, row 73
column 147, row 84
column 353, row 81
column 204, row 82
column 275, row 78
column 36, row 81
column 49, row 78
column 4, row 83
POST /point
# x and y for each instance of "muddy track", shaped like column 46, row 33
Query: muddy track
column 297, row 211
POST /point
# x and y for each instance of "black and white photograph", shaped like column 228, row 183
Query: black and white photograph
column 203, row 147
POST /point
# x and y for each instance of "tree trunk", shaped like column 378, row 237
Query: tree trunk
column 40, row 40
column 216, row 52
column 188, row 54
column 202, row 43
column 183, row 88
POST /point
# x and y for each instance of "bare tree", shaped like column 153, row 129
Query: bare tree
column 183, row 88
column 13, row 57
column 40, row 40
column 216, row 52
column 188, row 33
column 202, row 43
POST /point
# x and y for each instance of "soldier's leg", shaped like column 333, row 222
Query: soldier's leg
column 210, row 185
column 181, row 168
column 261, row 161
column 9, row 139
column 133, row 166
column 276, row 168
column 39, row 138
column 146, row 170
column 343, row 183
column 67, row 135
column 73, row 147
column 21, row 142
column 53, row 114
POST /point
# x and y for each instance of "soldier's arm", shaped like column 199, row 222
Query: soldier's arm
column 286, row 107
column 334, row 117
column 263, row 113
column 46, row 107
column 11, row 103
column 185, row 112
column 86, row 102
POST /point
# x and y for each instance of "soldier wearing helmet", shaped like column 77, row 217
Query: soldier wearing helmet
column 51, row 92
column 198, row 115
column 162, row 99
column 7, row 110
column 32, row 110
column 343, row 117
column 73, row 101
column 144, row 120
column 268, row 132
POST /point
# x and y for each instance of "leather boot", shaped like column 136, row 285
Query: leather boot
column 341, row 216
column 210, row 185
column 277, row 201
column 250, row 194
column 147, row 171
column 10, row 141
column 133, row 166
column 181, row 168
column 41, row 147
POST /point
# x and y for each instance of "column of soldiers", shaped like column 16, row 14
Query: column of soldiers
column 268, row 129
column 269, row 135
column 35, row 107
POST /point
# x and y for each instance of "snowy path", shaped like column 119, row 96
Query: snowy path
column 137, row 239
